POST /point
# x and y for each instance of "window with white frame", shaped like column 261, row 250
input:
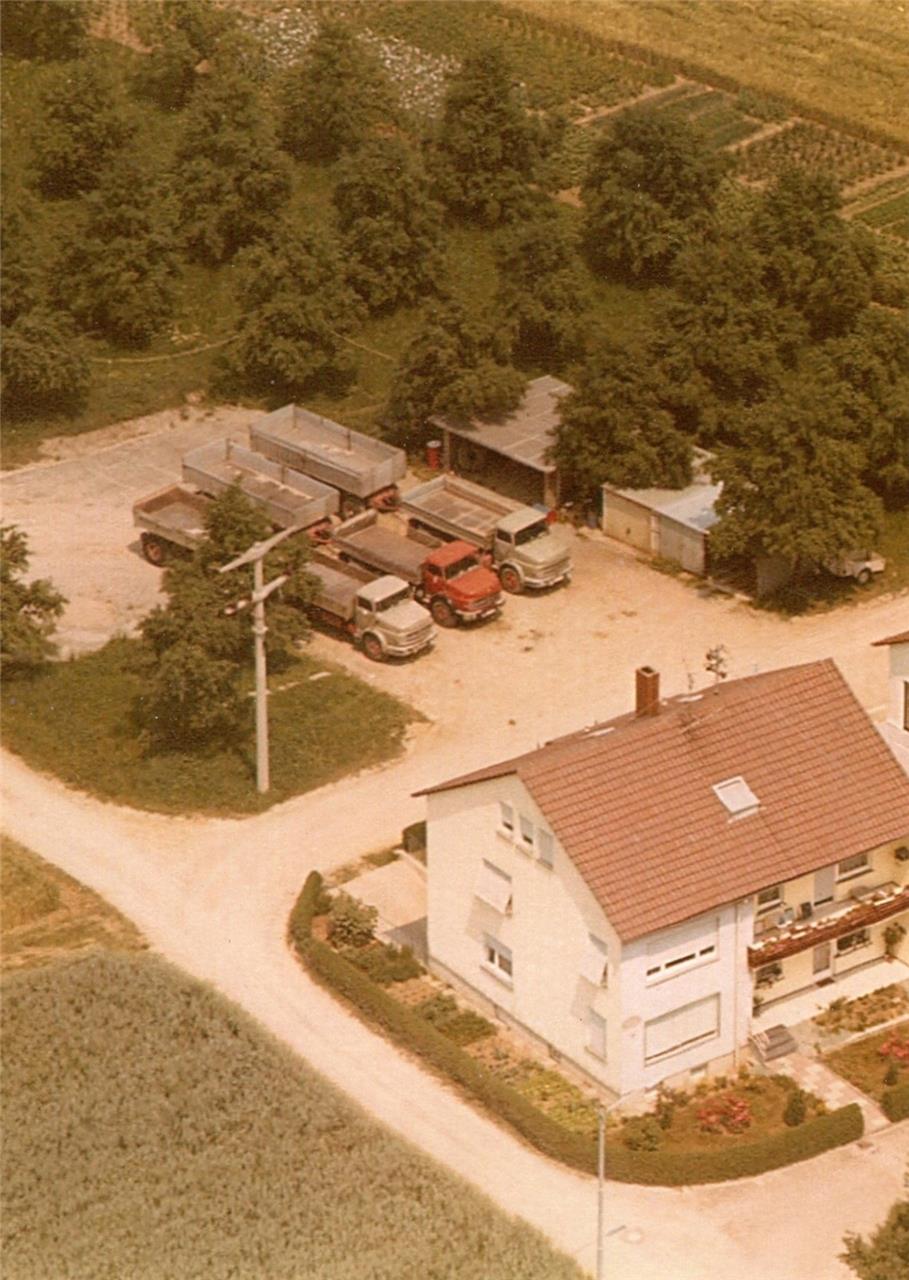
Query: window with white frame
column 545, row 847
column 594, row 966
column 494, row 887
column 856, row 865
column 677, row 950
column 682, row 1029
column 852, row 941
column 596, row 1034
column 506, row 818
column 497, row 957
column 769, row 898
column 526, row 832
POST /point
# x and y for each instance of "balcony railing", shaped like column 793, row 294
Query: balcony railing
column 866, row 905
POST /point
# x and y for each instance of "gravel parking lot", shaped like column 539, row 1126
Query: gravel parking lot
column 551, row 662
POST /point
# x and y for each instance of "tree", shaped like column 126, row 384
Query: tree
column 83, row 119
column 454, row 366
column 295, row 310
column 390, row 226
column 30, row 609
column 118, row 270
column 50, row 31
column 652, row 184
column 334, row 97
column 793, row 487
column 231, row 178
column 198, row 644
column 542, row 291
column 22, row 268
column 614, row 428
column 885, row 1254
column 485, row 149
column 182, row 34
column 43, row 363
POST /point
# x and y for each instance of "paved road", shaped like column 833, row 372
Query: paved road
column 213, row 896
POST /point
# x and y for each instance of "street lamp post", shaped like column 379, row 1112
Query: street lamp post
column 601, row 1180
column 261, row 591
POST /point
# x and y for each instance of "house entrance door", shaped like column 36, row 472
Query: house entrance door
column 824, row 884
column 821, row 964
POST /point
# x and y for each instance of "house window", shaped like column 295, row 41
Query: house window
column 736, row 797
column 596, row 1034
column 594, row 966
column 768, row 974
column 545, row 847
column 506, row 818
column 680, row 949
column 852, row 941
column 682, row 1029
column 494, row 888
column 857, row 865
column 497, row 958
column 769, row 898
column 526, row 832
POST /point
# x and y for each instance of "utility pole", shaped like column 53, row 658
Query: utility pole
column 261, row 591
column 601, row 1178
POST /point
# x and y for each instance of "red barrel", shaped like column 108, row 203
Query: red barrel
column 434, row 454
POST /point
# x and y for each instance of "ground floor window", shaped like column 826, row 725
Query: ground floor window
column 498, row 957
column 682, row 1028
column 596, row 1034
column 852, row 941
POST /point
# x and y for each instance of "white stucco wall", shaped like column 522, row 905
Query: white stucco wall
column 893, row 730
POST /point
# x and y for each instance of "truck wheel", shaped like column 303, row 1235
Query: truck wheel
column 863, row 577
column 372, row 647
column 442, row 612
column 511, row 580
column 154, row 549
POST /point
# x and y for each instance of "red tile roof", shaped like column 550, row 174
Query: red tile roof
column 902, row 637
column 635, row 810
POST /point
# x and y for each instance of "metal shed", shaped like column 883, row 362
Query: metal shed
column 671, row 523
column 510, row 454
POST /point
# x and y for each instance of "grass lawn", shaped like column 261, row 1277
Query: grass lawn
column 47, row 915
column 182, row 1141
column 863, row 1065
column 321, row 730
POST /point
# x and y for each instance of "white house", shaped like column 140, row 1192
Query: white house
column 623, row 895
column 895, row 729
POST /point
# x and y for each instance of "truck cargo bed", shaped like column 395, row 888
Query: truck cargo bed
column 288, row 497
column 175, row 513
column 464, row 509
column 363, row 539
column 357, row 464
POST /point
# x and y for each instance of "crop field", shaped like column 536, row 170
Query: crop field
column 47, row 915
column 181, row 1141
column 849, row 160
column 887, row 209
column 321, row 729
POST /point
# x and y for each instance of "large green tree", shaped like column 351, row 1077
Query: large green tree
column 49, row 30
column 486, row 145
column 43, row 363
column 390, row 226
column 23, row 269
column 454, row 365
column 295, row 312
column 83, row 118
column 334, row 97
column 651, row 186
column 232, row 180
column 614, row 428
column 119, row 269
column 181, row 35
column 30, row 609
column 884, row 1255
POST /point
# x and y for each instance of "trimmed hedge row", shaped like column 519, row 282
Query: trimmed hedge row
column 659, row 1168
column 895, row 1102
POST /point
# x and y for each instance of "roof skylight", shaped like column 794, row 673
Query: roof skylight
column 737, row 797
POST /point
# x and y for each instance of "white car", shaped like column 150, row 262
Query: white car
column 861, row 565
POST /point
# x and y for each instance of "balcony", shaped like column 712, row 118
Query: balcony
column 866, row 905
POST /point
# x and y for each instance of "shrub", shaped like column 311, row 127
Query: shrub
column 895, row 1102
column 642, row 1133
column 386, row 964
column 795, row 1110
column 892, row 1074
column 724, row 1113
column 414, row 837
column 895, row 1048
column 351, row 923
column 463, row 1026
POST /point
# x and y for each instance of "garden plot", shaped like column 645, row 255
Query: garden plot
column 850, row 160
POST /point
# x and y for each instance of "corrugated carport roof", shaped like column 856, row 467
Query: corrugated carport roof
column 524, row 435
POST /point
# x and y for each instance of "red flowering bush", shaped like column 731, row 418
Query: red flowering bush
column 895, row 1047
column 724, row 1113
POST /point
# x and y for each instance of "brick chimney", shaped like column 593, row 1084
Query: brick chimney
column 647, row 692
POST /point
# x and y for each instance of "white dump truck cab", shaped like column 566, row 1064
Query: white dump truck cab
column 528, row 553
column 389, row 621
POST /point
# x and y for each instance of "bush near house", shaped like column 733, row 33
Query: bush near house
column 656, row 1167
column 870, row 1063
column 895, row 1102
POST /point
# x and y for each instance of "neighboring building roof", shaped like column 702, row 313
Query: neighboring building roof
column 633, row 805
column 693, row 506
column 527, row 434
column 902, row 637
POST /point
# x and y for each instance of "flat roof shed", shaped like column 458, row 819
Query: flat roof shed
column 509, row 454
column 671, row 523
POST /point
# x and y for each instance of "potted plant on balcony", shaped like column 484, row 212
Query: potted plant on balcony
column 893, row 936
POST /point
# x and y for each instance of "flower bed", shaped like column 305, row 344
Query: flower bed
column 864, row 1012
column 877, row 1063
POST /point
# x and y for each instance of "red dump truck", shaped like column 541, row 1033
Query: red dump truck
column 449, row 577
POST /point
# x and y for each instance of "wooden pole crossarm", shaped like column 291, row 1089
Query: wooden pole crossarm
column 260, row 549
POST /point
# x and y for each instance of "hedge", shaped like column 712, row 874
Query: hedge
column 895, row 1102
column 659, row 1168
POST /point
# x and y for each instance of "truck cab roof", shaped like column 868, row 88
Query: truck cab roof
column 520, row 519
column 379, row 588
column 450, row 552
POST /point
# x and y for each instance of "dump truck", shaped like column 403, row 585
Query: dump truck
column 378, row 613
column 171, row 520
column 523, row 547
column 287, row 497
column 364, row 470
column 448, row 577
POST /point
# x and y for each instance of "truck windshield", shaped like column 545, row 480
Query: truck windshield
column 389, row 602
column 535, row 530
column 464, row 565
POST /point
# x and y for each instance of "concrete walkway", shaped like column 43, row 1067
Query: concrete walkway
column 817, row 1078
